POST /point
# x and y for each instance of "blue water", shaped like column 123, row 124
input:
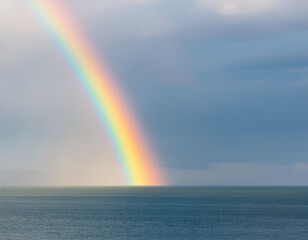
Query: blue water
column 154, row 213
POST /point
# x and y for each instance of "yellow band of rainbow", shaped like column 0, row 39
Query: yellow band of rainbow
column 116, row 116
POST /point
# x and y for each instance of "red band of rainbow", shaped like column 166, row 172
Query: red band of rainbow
column 115, row 114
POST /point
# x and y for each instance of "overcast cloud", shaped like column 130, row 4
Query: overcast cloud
column 220, row 87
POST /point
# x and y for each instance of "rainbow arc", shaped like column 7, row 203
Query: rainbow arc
column 131, row 147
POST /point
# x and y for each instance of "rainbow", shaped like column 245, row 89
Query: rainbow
column 130, row 145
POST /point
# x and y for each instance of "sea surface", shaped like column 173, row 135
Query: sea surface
column 170, row 213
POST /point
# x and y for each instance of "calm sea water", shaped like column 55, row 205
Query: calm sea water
column 154, row 213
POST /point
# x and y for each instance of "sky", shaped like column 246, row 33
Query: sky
column 220, row 88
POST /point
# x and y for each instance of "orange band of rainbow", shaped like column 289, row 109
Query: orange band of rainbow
column 131, row 147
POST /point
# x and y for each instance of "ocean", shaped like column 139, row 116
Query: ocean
column 144, row 213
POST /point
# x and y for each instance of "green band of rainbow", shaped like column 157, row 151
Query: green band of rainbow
column 117, row 118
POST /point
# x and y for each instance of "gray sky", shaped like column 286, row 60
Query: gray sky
column 220, row 87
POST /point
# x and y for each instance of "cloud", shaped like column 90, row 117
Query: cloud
column 224, row 84
column 301, row 166
column 25, row 177
column 20, row 34
column 97, row 6
column 242, row 174
column 238, row 7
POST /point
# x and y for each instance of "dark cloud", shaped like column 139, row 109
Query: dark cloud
column 226, row 92
column 207, row 86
